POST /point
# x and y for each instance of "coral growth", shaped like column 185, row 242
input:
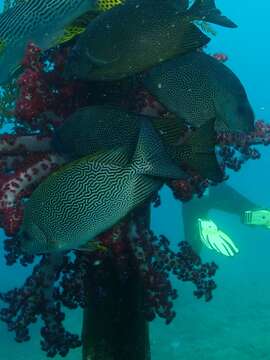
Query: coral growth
column 58, row 280
column 22, row 175
column 44, row 102
column 44, row 97
column 236, row 149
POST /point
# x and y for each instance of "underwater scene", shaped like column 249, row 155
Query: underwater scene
column 134, row 180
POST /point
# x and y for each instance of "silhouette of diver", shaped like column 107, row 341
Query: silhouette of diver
column 200, row 230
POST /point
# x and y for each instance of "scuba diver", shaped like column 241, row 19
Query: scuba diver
column 201, row 230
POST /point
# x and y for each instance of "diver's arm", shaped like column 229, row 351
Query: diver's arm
column 225, row 198
column 199, row 231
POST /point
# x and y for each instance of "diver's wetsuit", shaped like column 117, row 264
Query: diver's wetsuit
column 221, row 197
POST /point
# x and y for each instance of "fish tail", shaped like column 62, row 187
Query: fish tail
column 202, row 153
column 206, row 10
column 151, row 158
column 169, row 127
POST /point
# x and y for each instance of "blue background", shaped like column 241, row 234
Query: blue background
column 236, row 324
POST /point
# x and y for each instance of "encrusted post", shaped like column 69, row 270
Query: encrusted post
column 114, row 326
column 114, row 323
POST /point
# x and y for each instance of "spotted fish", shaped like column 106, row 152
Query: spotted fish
column 197, row 87
column 102, row 128
column 44, row 22
column 196, row 152
column 88, row 196
column 137, row 35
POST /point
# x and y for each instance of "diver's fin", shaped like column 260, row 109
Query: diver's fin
column 206, row 10
column 199, row 151
column 151, row 158
column 193, row 38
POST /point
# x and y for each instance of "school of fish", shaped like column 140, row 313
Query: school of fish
column 119, row 159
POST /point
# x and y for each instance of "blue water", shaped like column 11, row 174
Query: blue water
column 235, row 325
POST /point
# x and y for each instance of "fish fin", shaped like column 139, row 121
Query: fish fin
column 75, row 28
column 119, row 156
column 200, row 152
column 151, row 158
column 193, row 37
column 104, row 5
column 69, row 33
column 206, row 10
column 169, row 127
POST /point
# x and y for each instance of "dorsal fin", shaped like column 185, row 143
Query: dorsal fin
column 151, row 158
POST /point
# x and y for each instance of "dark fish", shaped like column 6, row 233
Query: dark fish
column 197, row 152
column 102, row 128
column 138, row 35
column 183, row 5
column 197, row 87
column 88, row 196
